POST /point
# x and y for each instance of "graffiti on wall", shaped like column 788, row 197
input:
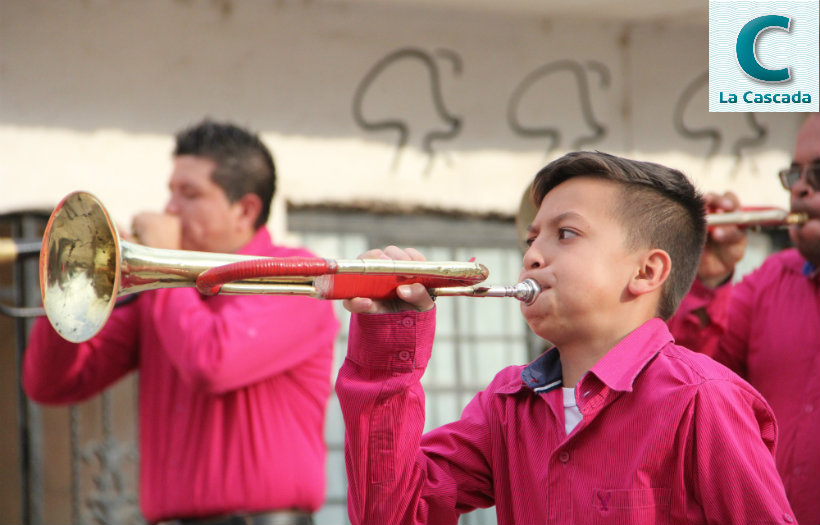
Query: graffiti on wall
column 536, row 83
column 717, row 133
column 398, row 124
column 695, row 94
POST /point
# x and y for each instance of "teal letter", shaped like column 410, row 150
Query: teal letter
column 745, row 48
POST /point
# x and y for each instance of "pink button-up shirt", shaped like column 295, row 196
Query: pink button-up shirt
column 667, row 436
column 769, row 333
column 232, row 393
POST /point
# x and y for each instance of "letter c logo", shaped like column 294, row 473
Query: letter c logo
column 746, row 48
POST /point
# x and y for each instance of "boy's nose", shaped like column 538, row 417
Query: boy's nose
column 532, row 259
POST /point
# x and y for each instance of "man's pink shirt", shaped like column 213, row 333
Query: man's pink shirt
column 232, row 393
column 767, row 329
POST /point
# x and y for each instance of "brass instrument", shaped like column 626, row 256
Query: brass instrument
column 750, row 217
column 13, row 249
column 756, row 218
column 85, row 267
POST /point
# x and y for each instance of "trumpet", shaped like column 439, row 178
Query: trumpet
column 756, row 217
column 14, row 249
column 85, row 267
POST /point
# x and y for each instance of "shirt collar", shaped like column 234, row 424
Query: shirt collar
column 809, row 270
column 622, row 364
column 543, row 374
column 618, row 369
column 259, row 243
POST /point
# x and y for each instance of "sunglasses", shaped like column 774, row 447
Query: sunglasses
column 792, row 174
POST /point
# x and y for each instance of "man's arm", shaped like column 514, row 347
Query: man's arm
column 56, row 371
column 701, row 319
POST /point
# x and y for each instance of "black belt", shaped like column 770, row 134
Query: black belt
column 277, row 517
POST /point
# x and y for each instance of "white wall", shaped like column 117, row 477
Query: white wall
column 91, row 91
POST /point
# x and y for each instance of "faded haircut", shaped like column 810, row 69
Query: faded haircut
column 659, row 207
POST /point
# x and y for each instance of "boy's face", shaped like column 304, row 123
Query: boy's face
column 577, row 253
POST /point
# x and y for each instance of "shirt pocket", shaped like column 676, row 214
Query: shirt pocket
column 631, row 507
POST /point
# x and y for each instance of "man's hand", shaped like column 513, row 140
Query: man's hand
column 411, row 296
column 158, row 230
column 725, row 245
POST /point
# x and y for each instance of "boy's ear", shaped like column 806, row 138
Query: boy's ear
column 653, row 271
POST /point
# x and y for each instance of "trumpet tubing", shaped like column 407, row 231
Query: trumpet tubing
column 85, row 267
column 526, row 291
column 749, row 217
column 13, row 249
column 756, row 217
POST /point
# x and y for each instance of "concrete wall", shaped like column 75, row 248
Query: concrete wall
column 91, row 91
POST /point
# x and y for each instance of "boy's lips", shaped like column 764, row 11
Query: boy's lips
column 543, row 286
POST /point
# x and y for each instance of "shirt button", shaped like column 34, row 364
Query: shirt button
column 809, row 409
column 788, row 518
column 407, row 322
column 404, row 355
column 563, row 457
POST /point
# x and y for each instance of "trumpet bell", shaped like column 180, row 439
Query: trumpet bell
column 79, row 267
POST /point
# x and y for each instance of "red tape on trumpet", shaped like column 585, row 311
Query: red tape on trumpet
column 347, row 286
column 328, row 283
column 210, row 281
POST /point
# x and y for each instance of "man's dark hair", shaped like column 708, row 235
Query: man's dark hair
column 243, row 163
column 659, row 208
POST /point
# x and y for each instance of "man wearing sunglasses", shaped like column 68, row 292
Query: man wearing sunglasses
column 767, row 327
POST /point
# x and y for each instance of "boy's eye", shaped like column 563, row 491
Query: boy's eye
column 529, row 241
column 566, row 233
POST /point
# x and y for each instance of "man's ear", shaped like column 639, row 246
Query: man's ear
column 250, row 206
column 652, row 272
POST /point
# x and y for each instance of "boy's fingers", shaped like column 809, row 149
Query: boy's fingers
column 359, row 305
column 416, row 295
column 394, row 252
column 415, row 255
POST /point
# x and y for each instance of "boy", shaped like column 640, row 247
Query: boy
column 643, row 431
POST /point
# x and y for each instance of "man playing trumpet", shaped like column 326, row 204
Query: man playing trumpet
column 233, row 390
column 767, row 327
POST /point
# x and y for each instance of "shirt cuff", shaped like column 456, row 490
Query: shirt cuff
column 398, row 341
column 701, row 295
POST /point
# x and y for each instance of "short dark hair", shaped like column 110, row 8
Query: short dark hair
column 659, row 207
column 243, row 162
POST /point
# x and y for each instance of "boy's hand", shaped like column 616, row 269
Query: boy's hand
column 725, row 245
column 411, row 296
